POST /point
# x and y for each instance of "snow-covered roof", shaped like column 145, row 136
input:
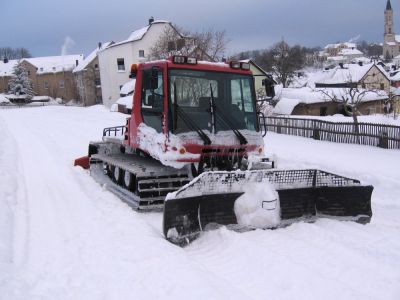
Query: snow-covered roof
column 290, row 97
column 362, row 59
column 139, row 33
column 41, row 98
column 47, row 64
column 127, row 101
column 6, row 69
column 128, row 88
column 3, row 99
column 347, row 51
column 391, row 43
column 55, row 64
column 346, row 44
column 336, row 58
column 395, row 77
column 82, row 65
column 350, row 73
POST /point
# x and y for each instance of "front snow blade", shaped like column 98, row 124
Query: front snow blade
column 217, row 198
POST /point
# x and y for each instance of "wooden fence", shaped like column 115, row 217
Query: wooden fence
column 384, row 136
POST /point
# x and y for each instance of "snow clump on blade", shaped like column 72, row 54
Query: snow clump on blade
column 259, row 206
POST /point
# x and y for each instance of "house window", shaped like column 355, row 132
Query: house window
column 141, row 53
column 382, row 86
column 363, row 85
column 46, row 85
column 121, row 64
column 61, row 84
column 97, row 81
column 29, row 73
column 96, row 66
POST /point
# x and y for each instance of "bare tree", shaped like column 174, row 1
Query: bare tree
column 283, row 61
column 14, row 53
column 212, row 43
column 206, row 45
column 351, row 96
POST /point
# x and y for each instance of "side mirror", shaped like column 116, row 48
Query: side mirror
column 268, row 83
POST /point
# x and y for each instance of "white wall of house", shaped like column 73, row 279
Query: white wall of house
column 112, row 78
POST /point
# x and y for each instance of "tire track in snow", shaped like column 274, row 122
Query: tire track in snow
column 13, row 213
column 86, row 243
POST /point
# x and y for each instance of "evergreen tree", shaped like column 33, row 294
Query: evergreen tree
column 20, row 83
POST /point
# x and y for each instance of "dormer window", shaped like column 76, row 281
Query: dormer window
column 41, row 69
column 54, row 68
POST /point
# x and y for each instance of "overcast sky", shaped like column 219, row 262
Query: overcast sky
column 43, row 26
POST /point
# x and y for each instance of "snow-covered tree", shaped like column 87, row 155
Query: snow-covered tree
column 20, row 83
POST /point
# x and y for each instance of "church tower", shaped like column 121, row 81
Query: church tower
column 390, row 45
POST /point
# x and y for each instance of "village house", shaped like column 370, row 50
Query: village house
column 116, row 59
column 341, row 53
column 87, row 78
column 313, row 100
column 368, row 76
column 51, row 76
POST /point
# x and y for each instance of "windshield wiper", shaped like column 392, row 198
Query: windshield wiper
column 188, row 121
column 224, row 118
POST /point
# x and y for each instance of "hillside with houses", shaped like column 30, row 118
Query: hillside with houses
column 315, row 82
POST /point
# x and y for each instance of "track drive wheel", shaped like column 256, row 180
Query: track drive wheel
column 129, row 181
column 117, row 175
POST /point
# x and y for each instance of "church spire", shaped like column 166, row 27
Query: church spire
column 388, row 5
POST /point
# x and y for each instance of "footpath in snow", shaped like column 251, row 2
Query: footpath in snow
column 63, row 237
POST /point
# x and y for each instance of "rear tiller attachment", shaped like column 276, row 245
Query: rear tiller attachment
column 244, row 200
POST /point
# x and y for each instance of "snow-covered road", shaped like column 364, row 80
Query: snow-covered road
column 63, row 237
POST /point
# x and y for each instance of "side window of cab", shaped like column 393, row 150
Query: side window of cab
column 153, row 98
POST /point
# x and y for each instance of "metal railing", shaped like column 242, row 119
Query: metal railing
column 116, row 131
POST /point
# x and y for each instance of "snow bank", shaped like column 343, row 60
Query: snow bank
column 69, row 239
column 128, row 88
column 127, row 101
column 4, row 100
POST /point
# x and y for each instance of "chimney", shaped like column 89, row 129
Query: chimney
column 360, row 63
column 5, row 60
column 341, row 65
column 99, row 45
column 151, row 20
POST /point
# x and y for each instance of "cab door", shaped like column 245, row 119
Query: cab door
column 152, row 97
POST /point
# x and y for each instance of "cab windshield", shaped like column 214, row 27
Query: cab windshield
column 191, row 95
